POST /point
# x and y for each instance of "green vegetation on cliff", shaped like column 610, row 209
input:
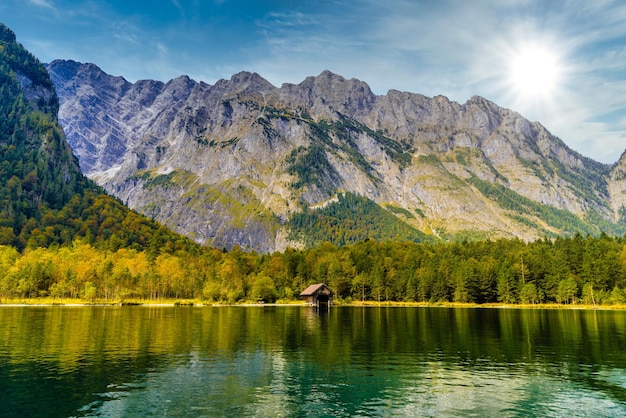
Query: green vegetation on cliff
column 312, row 168
column 348, row 220
column 524, row 209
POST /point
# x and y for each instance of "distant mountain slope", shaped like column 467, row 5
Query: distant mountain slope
column 233, row 163
column 44, row 197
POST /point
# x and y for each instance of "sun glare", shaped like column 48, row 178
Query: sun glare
column 535, row 72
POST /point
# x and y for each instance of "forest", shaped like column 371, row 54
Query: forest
column 577, row 270
column 352, row 219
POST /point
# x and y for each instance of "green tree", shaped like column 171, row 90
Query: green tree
column 568, row 290
column 617, row 296
column 529, row 294
column 263, row 288
column 507, row 286
column 89, row 291
column 589, row 296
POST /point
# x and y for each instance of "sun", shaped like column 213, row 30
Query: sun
column 535, row 72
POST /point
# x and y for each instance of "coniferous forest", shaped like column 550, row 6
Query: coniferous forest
column 61, row 236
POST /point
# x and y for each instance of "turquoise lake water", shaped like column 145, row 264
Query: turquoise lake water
column 295, row 361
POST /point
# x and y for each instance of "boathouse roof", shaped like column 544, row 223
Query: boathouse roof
column 315, row 288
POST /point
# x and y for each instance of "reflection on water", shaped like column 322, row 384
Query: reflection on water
column 296, row 361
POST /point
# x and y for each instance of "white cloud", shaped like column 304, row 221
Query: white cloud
column 43, row 3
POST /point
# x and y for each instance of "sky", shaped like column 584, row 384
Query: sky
column 561, row 63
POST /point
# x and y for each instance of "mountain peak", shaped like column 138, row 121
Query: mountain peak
column 327, row 74
column 6, row 34
column 246, row 77
column 482, row 102
column 244, row 82
column 329, row 92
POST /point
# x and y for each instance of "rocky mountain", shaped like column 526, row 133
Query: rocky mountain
column 238, row 161
column 45, row 200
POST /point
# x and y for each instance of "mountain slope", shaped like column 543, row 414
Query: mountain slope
column 44, row 197
column 233, row 163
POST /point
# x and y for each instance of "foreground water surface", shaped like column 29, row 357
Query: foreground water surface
column 296, row 361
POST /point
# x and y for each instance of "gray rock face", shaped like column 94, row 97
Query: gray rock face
column 617, row 188
column 229, row 163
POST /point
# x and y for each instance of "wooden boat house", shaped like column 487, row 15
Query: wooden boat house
column 318, row 294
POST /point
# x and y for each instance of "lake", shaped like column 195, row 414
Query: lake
column 296, row 361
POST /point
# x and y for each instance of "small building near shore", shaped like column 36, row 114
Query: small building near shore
column 318, row 294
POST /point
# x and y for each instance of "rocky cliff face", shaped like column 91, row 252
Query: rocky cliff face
column 617, row 188
column 230, row 163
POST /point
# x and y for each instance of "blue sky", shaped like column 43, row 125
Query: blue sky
column 575, row 50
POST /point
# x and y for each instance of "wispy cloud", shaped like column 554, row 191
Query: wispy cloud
column 47, row 4
column 287, row 19
column 127, row 32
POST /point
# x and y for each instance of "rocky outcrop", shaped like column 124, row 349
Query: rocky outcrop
column 229, row 163
column 617, row 188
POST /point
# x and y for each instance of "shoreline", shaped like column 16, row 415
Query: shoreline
column 48, row 302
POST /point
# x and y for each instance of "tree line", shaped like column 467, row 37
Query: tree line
column 589, row 270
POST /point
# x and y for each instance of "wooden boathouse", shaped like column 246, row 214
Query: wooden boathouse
column 318, row 294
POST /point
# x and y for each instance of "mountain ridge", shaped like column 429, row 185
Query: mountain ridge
column 230, row 163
